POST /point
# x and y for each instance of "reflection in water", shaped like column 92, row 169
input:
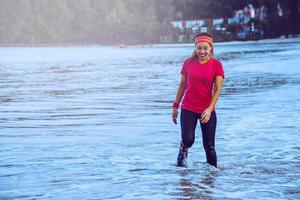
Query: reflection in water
column 238, row 54
column 252, row 82
column 190, row 187
column 209, row 178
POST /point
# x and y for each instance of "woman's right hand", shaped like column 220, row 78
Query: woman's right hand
column 174, row 115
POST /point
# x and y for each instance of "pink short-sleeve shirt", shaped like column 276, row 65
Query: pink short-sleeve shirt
column 200, row 83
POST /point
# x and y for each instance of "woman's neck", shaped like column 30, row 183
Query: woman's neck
column 204, row 60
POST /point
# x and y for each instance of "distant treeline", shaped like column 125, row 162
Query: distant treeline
column 123, row 21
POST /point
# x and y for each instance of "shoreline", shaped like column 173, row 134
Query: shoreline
column 229, row 43
column 262, row 41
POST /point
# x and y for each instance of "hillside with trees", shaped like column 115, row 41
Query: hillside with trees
column 34, row 22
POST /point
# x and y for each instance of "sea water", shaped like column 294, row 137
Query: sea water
column 95, row 123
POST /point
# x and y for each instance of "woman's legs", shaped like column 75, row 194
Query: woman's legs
column 208, row 136
column 188, row 121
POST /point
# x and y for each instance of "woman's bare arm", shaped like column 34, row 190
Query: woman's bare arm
column 217, row 91
column 180, row 93
column 205, row 116
column 181, row 89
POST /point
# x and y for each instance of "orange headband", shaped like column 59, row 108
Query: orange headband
column 203, row 38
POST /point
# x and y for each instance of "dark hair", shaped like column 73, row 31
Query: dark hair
column 194, row 54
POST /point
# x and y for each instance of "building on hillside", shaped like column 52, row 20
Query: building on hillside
column 243, row 25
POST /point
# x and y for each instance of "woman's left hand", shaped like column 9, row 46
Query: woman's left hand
column 205, row 116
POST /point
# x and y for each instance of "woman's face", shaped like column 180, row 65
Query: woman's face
column 203, row 50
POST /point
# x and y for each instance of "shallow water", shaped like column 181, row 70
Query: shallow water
column 95, row 123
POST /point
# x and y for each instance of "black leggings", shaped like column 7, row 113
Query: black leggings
column 188, row 121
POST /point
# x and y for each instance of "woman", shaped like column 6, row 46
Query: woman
column 201, row 83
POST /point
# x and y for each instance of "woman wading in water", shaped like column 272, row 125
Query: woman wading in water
column 200, row 86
